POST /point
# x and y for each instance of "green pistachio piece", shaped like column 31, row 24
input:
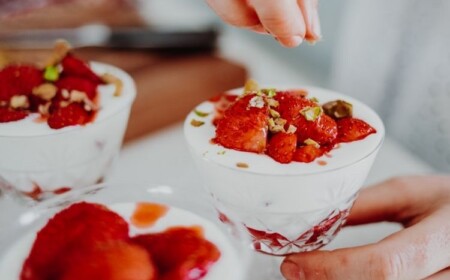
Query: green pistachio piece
column 311, row 142
column 338, row 109
column 269, row 92
column 251, row 86
column 201, row 114
column 51, row 73
column 196, row 123
column 311, row 113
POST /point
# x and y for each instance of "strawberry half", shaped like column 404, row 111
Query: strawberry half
column 116, row 260
column 307, row 153
column 352, row 129
column 221, row 104
column 77, row 83
column 82, row 225
column 244, row 126
column 73, row 66
column 73, row 114
column 180, row 253
column 19, row 80
column 282, row 147
column 291, row 103
column 9, row 115
column 323, row 130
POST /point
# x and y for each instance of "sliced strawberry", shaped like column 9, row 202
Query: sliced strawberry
column 73, row 66
column 352, row 129
column 82, row 225
column 307, row 153
column 244, row 126
column 221, row 103
column 73, row 114
column 180, row 253
column 18, row 80
column 116, row 260
column 291, row 103
column 282, row 147
column 9, row 115
column 77, row 83
column 323, row 130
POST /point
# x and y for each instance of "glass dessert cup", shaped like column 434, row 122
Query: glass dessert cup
column 286, row 208
column 18, row 238
column 37, row 164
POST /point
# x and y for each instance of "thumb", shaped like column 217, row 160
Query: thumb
column 364, row 262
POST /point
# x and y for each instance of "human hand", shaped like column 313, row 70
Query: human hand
column 421, row 250
column 288, row 21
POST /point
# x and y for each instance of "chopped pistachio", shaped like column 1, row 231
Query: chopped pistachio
column 311, row 113
column 269, row 92
column 51, row 73
column 65, row 93
column 242, row 165
column 311, row 142
column 45, row 91
column 201, row 114
column 291, row 129
column 251, row 86
column 221, row 152
column 338, row 109
column 44, row 108
column 273, row 103
column 196, row 123
column 314, row 99
column 77, row 96
column 274, row 113
column 274, row 126
column 19, row 102
column 111, row 79
column 256, row 101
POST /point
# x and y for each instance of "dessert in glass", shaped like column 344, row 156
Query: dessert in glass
column 286, row 161
column 62, row 125
column 99, row 232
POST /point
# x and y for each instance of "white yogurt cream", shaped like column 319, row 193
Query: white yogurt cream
column 288, row 199
column 33, row 154
column 229, row 265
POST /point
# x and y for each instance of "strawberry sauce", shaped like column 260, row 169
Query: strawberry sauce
column 147, row 214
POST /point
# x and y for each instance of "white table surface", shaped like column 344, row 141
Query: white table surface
column 163, row 157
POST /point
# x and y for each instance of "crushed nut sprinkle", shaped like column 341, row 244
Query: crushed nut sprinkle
column 44, row 109
column 314, row 99
column 111, row 79
column 269, row 92
column 338, row 109
column 77, row 96
column 257, row 101
column 65, row 93
column 276, row 125
column 197, row 123
column 274, row 113
column 311, row 113
column 311, row 142
column 201, row 114
column 273, row 103
column 291, row 129
column 221, row 152
column 51, row 73
column 45, row 91
column 251, row 86
column 19, row 102
column 242, row 165
column 64, row 103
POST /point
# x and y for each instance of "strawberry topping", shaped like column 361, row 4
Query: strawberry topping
column 282, row 147
column 9, row 115
column 73, row 66
column 18, row 80
column 72, row 114
column 352, row 129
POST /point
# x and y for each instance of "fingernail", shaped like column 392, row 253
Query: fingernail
column 291, row 271
column 290, row 42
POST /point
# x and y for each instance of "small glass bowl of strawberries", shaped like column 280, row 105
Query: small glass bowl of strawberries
column 150, row 232
column 61, row 125
column 287, row 161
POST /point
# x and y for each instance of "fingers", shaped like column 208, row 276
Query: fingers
column 310, row 14
column 283, row 19
column 441, row 275
column 413, row 253
column 399, row 199
column 236, row 12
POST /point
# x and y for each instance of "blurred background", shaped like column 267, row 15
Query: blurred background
column 393, row 55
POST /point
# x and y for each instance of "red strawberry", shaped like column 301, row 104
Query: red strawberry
column 282, row 147
column 181, row 253
column 77, row 83
column 18, row 80
column 117, row 260
column 291, row 103
column 221, row 103
column 73, row 114
column 352, row 129
column 244, row 126
column 323, row 130
column 73, row 66
column 307, row 153
column 9, row 115
column 82, row 225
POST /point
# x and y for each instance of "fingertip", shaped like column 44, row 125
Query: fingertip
column 290, row 42
column 290, row 270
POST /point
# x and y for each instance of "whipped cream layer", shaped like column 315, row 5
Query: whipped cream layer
column 108, row 103
column 229, row 266
column 199, row 138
